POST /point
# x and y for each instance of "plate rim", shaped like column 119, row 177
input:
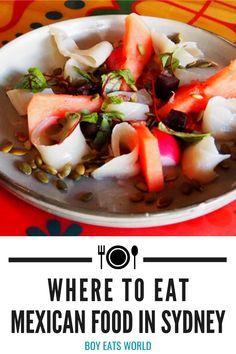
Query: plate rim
column 106, row 218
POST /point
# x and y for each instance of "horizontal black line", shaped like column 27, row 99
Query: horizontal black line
column 185, row 259
column 50, row 260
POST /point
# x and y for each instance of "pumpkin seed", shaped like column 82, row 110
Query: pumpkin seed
column 80, row 169
column 49, row 169
column 196, row 96
column 38, row 160
column 150, row 197
column 176, row 38
column 86, row 197
column 62, row 121
column 164, row 202
column 32, row 164
column 75, row 176
column 61, row 185
column 136, row 197
column 25, row 168
column 22, row 137
column 6, row 147
column 202, row 64
column 65, row 171
column 141, row 49
column 186, row 188
column 225, row 165
column 225, row 149
column 19, row 152
column 141, row 186
column 171, row 176
column 41, row 176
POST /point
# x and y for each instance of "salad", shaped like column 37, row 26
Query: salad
column 131, row 108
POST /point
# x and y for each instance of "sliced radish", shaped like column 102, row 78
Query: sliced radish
column 169, row 148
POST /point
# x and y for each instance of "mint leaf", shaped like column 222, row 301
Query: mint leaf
column 103, row 133
column 169, row 62
column 83, row 73
column 111, row 81
column 34, row 81
column 90, row 118
column 111, row 99
column 188, row 137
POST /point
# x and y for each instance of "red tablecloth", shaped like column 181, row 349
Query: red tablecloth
column 17, row 17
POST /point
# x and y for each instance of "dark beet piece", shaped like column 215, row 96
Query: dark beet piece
column 89, row 130
column 89, row 88
column 176, row 120
column 166, row 83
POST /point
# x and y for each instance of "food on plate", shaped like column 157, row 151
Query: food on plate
column 131, row 108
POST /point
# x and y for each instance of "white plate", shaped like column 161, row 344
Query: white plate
column 110, row 205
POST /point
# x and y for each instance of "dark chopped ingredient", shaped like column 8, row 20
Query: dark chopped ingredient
column 88, row 88
column 89, row 130
column 166, row 84
column 176, row 120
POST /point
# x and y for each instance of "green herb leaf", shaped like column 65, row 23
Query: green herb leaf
column 188, row 137
column 90, row 118
column 111, row 81
column 111, row 99
column 169, row 62
column 34, row 81
column 103, row 134
column 83, row 73
column 113, row 115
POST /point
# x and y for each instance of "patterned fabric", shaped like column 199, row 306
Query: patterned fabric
column 18, row 17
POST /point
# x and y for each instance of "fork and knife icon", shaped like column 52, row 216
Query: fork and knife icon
column 117, row 256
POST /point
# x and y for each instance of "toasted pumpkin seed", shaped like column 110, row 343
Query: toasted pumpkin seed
column 171, row 176
column 25, row 168
column 134, row 98
column 74, row 175
column 22, row 137
column 176, row 38
column 80, row 169
column 41, row 176
column 141, row 186
column 90, row 169
column 32, row 164
column 38, row 160
column 136, row 197
column 52, row 82
column 65, row 171
column 19, row 152
column 150, row 197
column 6, row 147
column 197, row 96
column 61, row 185
column 86, row 197
column 49, row 169
column 186, row 188
column 141, row 49
column 164, row 202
